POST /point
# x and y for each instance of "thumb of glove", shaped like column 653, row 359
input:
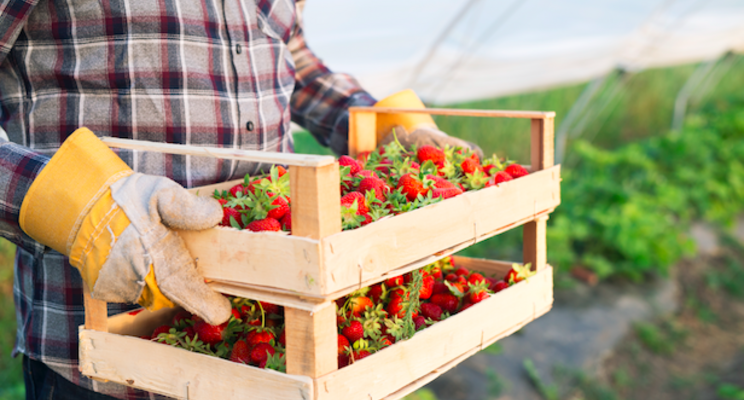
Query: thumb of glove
column 180, row 209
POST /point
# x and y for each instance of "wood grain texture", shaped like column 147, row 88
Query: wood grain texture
column 452, row 111
column 431, row 352
column 534, row 246
column 363, row 255
column 316, row 201
column 362, row 132
column 542, row 143
column 175, row 372
column 306, row 160
column 312, row 344
column 96, row 313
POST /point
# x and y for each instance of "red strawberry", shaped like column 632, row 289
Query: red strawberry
column 209, row 334
column 394, row 281
column 446, row 301
column 436, row 272
column 280, row 210
column 280, row 171
column 160, row 329
column 261, row 352
column 446, row 193
column 477, row 296
column 440, row 182
column 259, row 335
column 470, row 165
column 462, row 271
column 489, row 169
column 359, row 305
column 431, row 310
column 412, row 186
column 499, row 286
column 343, row 360
column 240, row 352
column 375, row 292
column 343, row 344
column 427, row 287
column 395, row 307
column 354, row 331
column 181, row 317
column 282, row 340
column 419, row 322
column 365, row 173
column 359, row 354
column 270, row 308
column 501, row 176
column 426, row 153
column 384, row 166
column 239, row 188
column 516, row 171
column 439, row 287
column 363, row 156
column 476, row 278
column 267, row 224
column 375, row 183
column 518, row 273
column 190, row 332
column 349, row 199
column 228, row 212
column 354, row 165
column 286, row 221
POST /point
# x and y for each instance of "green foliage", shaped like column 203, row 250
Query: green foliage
column 662, row 338
column 730, row 392
column 548, row 392
column 11, row 373
column 421, row 394
column 626, row 212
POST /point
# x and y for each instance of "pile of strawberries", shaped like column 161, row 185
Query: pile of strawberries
column 368, row 320
column 389, row 181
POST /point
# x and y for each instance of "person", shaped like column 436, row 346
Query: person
column 216, row 73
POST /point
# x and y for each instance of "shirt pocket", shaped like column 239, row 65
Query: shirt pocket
column 276, row 19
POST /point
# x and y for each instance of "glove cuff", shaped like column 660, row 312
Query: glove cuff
column 65, row 191
column 403, row 99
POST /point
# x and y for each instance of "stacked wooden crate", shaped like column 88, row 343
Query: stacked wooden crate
column 318, row 263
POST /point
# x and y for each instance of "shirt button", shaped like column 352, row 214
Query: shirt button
column 238, row 48
column 249, row 126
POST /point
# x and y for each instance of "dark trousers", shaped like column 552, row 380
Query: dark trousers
column 44, row 384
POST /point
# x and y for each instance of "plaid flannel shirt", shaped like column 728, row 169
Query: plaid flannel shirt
column 221, row 73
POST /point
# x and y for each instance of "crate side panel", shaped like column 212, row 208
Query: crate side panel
column 170, row 371
column 266, row 259
column 386, row 245
column 398, row 366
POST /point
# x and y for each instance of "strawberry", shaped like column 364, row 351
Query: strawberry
column 240, row 352
column 440, row 182
column 395, row 307
column 446, row 193
column 359, row 354
column 360, row 304
column 427, row 287
column 419, row 322
column 446, row 301
column 439, row 287
column 354, row 165
column 190, row 332
column 412, row 186
column 210, row 334
column 436, row 272
column 230, row 212
column 470, row 165
column 518, row 273
column 261, row 352
column 430, row 153
column 354, row 331
column 516, row 171
column 431, row 310
column 260, row 335
column 462, row 271
column 282, row 340
column 351, row 197
column 281, row 171
column 270, row 308
column 286, row 221
column 501, row 176
column 499, row 286
column 363, row 156
column 365, row 173
column 343, row 360
column 490, row 169
column 375, row 292
column 394, row 281
column 239, row 188
column 183, row 317
column 476, row 278
column 160, row 329
column 376, row 184
column 266, row 224
column 477, row 295
column 280, row 209
column 343, row 344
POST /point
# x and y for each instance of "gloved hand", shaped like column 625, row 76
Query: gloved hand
column 410, row 129
column 114, row 224
column 428, row 136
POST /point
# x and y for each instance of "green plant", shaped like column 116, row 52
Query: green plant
column 730, row 392
column 548, row 392
column 661, row 338
column 496, row 384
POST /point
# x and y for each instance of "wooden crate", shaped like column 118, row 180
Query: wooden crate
column 306, row 271
column 110, row 350
column 319, row 262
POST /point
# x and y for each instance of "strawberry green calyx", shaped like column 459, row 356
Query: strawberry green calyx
column 476, row 180
column 275, row 183
column 277, row 362
column 519, row 273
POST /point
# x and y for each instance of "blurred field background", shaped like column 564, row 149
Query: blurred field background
column 622, row 166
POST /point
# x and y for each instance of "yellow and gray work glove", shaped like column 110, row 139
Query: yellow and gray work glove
column 114, row 225
column 414, row 129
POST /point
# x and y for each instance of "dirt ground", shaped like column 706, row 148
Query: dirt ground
column 698, row 353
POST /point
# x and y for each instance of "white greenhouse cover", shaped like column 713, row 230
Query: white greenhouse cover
column 452, row 51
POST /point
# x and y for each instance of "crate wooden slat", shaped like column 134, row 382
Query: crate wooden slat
column 388, row 374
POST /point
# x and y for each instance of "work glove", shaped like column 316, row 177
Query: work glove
column 115, row 226
column 414, row 129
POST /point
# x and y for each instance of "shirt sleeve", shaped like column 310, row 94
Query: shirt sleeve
column 19, row 166
column 321, row 98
